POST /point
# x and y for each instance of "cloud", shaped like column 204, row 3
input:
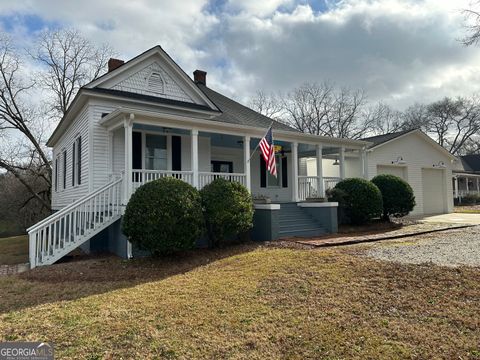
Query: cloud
column 399, row 51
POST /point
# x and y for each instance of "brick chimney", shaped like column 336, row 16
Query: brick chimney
column 114, row 63
column 200, row 77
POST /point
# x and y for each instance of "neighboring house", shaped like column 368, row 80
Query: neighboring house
column 146, row 119
column 413, row 156
column 466, row 176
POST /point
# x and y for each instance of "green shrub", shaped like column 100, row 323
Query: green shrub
column 228, row 209
column 164, row 216
column 397, row 195
column 363, row 200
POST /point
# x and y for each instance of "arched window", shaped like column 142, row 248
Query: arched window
column 155, row 83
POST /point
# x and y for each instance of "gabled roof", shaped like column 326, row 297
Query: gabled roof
column 381, row 140
column 471, row 162
column 236, row 113
column 173, row 66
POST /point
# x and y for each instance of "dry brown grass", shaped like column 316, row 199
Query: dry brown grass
column 14, row 250
column 246, row 302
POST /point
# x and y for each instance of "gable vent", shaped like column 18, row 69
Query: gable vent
column 155, row 83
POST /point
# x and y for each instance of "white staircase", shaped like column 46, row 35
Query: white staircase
column 62, row 232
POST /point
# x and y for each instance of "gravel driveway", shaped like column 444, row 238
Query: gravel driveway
column 449, row 248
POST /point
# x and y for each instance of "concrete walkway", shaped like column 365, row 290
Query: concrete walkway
column 453, row 218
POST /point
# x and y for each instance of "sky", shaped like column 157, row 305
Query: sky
column 399, row 51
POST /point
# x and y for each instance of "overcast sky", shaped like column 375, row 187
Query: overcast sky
column 399, row 51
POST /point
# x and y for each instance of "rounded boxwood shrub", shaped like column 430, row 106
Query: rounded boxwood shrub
column 362, row 200
column 228, row 209
column 164, row 216
column 397, row 195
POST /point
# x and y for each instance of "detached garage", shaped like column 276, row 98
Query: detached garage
column 415, row 157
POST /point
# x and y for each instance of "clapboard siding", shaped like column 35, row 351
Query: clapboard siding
column 100, row 141
column 418, row 154
column 63, row 197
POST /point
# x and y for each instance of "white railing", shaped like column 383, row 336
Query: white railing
column 60, row 233
column 205, row 178
column 307, row 187
column 329, row 182
column 141, row 176
column 462, row 193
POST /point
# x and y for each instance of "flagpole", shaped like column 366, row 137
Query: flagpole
column 256, row 147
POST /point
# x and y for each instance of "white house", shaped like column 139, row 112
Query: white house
column 146, row 119
column 466, row 176
column 411, row 155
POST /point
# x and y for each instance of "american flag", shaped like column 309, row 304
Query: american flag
column 268, row 152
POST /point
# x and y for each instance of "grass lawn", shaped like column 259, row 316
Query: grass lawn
column 14, row 250
column 246, row 302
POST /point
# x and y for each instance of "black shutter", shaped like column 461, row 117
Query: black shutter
column 73, row 164
column 64, row 169
column 263, row 173
column 136, row 150
column 79, row 160
column 56, row 174
column 284, row 172
column 176, row 153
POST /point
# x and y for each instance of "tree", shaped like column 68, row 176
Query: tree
column 472, row 25
column 323, row 109
column 453, row 123
column 266, row 104
column 67, row 61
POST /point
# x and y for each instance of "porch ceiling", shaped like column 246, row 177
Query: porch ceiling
column 184, row 121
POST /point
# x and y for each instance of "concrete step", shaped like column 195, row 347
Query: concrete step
column 302, row 233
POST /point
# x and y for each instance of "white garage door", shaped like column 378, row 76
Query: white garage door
column 392, row 170
column 434, row 193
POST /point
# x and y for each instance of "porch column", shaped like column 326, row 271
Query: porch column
column 466, row 183
column 128, row 125
column 246, row 162
column 194, row 157
column 363, row 155
column 478, row 185
column 342, row 163
column 295, row 172
column 455, row 187
column 320, row 187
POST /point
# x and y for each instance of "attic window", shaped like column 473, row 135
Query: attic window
column 155, row 83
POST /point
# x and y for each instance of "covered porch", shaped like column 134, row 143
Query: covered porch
column 147, row 146
column 465, row 184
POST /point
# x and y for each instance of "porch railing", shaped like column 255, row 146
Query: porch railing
column 330, row 182
column 142, row 176
column 308, row 186
column 205, row 178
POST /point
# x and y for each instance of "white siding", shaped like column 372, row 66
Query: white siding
column 276, row 194
column 139, row 83
column 99, row 146
column 63, row 197
column 229, row 154
column 118, row 151
column 418, row 154
column 352, row 167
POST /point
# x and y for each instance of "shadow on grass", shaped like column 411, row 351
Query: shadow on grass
column 99, row 274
